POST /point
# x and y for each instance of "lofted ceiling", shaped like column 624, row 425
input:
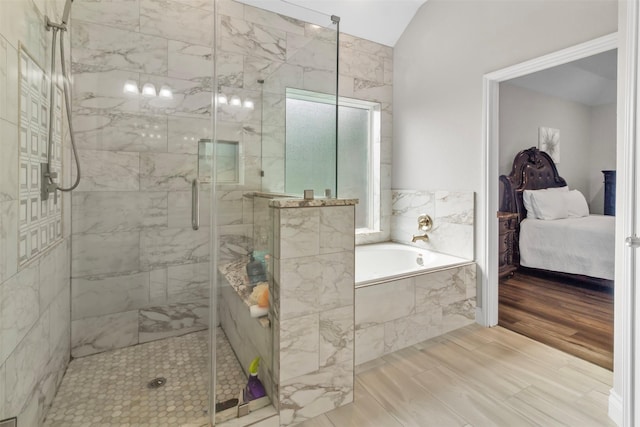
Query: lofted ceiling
column 590, row 81
column 382, row 21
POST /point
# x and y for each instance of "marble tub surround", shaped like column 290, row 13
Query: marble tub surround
column 313, row 318
column 34, row 296
column 139, row 271
column 453, row 218
column 397, row 314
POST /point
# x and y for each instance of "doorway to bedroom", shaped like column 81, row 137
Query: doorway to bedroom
column 556, row 239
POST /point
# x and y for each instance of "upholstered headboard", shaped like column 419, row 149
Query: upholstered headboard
column 532, row 170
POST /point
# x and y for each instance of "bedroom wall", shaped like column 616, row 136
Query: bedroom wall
column 587, row 136
column 438, row 92
column 603, row 152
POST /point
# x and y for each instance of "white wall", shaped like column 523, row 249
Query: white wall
column 603, row 152
column 438, row 66
column 587, row 137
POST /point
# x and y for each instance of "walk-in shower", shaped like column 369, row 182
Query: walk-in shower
column 154, row 299
column 47, row 175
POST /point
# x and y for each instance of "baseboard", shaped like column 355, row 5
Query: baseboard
column 481, row 318
column 615, row 407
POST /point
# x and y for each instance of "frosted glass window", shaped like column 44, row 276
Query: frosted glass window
column 353, row 159
column 310, row 151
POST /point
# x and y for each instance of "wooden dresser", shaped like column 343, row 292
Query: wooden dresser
column 507, row 222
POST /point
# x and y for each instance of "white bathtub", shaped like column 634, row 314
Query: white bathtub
column 384, row 262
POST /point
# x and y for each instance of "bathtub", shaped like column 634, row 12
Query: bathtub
column 405, row 295
column 383, row 262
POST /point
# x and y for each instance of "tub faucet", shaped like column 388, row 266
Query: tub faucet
column 424, row 224
column 424, row 238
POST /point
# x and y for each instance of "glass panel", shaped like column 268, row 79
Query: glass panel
column 310, row 153
column 288, row 53
column 140, row 273
column 310, row 66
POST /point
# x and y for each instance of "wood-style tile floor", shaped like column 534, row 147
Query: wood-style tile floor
column 566, row 315
column 477, row 377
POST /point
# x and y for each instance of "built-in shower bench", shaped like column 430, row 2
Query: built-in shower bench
column 236, row 276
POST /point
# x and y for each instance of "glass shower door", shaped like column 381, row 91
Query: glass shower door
column 140, row 276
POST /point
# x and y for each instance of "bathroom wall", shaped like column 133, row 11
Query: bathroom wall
column 34, row 296
column 453, row 220
column 139, row 271
column 303, row 59
column 438, row 93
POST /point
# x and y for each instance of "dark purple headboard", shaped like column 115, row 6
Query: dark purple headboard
column 532, row 170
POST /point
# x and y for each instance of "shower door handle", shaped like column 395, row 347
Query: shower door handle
column 195, row 204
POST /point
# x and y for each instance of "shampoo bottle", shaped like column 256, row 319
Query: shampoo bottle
column 255, row 270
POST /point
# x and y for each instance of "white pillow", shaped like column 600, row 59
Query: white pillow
column 526, row 199
column 576, row 204
column 549, row 205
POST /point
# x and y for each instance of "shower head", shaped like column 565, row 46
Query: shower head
column 66, row 12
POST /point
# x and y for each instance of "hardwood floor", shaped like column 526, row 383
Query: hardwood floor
column 475, row 376
column 565, row 315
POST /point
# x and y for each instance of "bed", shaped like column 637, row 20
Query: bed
column 555, row 232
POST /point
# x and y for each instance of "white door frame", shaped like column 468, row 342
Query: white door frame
column 488, row 315
column 623, row 399
column 491, row 84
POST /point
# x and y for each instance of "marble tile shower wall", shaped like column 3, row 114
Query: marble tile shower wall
column 452, row 214
column 34, row 297
column 139, row 272
column 256, row 44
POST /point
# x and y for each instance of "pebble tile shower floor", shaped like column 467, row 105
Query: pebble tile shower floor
column 110, row 389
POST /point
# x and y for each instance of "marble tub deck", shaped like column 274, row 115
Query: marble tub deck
column 110, row 389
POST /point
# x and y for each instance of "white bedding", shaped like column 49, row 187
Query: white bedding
column 571, row 245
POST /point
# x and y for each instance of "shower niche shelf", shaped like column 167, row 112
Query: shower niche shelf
column 234, row 273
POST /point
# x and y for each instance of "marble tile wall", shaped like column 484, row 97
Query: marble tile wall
column 34, row 295
column 452, row 214
column 139, row 271
column 366, row 72
column 313, row 318
column 394, row 315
